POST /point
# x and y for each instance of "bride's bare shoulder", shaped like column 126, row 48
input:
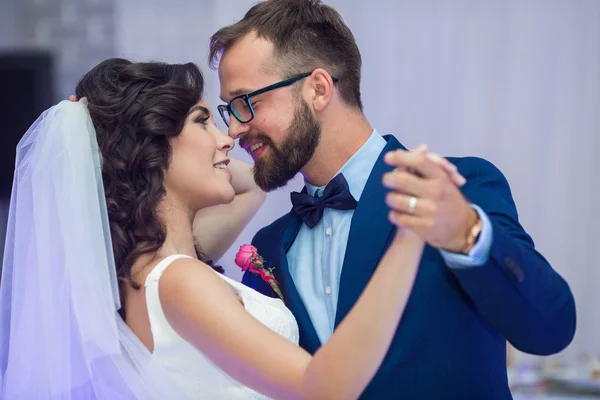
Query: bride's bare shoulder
column 190, row 280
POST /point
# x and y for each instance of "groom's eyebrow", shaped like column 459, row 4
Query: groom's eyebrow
column 236, row 93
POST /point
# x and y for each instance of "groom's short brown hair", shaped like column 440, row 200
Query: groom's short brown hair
column 306, row 35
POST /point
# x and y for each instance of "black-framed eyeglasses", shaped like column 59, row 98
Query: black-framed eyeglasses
column 241, row 107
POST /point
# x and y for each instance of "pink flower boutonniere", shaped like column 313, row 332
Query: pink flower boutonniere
column 247, row 258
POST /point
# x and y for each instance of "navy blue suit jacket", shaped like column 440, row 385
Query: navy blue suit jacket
column 451, row 341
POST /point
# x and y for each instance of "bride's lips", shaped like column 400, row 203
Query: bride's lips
column 221, row 166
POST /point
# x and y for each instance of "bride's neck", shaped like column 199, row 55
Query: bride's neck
column 178, row 222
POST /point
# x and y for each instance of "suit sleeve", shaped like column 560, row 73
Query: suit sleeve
column 516, row 289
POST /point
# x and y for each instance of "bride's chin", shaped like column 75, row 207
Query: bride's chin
column 221, row 198
column 225, row 196
column 229, row 197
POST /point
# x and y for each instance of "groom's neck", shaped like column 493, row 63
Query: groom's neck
column 343, row 133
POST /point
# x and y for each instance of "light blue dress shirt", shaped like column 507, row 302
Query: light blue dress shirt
column 316, row 257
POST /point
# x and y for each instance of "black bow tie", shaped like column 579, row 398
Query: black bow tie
column 336, row 195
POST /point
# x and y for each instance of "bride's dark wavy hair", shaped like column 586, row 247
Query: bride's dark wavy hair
column 136, row 108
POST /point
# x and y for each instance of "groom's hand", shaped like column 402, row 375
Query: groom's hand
column 425, row 198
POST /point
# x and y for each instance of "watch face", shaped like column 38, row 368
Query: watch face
column 473, row 235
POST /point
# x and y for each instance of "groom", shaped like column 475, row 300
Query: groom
column 290, row 77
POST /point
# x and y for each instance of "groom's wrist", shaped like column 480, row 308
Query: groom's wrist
column 472, row 234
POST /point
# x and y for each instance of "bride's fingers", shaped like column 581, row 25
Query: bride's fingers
column 443, row 163
column 449, row 168
column 446, row 166
column 73, row 98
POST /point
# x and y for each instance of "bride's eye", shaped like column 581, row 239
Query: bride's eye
column 202, row 119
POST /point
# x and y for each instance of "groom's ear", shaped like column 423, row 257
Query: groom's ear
column 321, row 88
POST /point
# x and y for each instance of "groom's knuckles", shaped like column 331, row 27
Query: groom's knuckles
column 395, row 179
column 418, row 224
column 435, row 190
column 395, row 201
column 401, row 157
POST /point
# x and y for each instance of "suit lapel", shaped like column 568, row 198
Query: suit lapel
column 370, row 232
column 308, row 336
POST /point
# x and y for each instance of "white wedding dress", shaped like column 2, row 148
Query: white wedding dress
column 197, row 376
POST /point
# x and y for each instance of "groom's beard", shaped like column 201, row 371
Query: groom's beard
column 284, row 162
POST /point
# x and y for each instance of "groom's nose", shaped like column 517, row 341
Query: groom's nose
column 237, row 129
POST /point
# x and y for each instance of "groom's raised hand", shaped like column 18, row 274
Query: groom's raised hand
column 426, row 199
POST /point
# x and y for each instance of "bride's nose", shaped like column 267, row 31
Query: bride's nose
column 225, row 142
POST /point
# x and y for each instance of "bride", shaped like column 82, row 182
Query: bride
column 105, row 293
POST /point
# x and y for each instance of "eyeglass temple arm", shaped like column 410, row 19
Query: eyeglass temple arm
column 284, row 83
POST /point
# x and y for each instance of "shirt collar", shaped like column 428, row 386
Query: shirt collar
column 358, row 168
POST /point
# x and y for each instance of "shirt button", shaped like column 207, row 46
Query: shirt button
column 328, row 231
column 328, row 290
